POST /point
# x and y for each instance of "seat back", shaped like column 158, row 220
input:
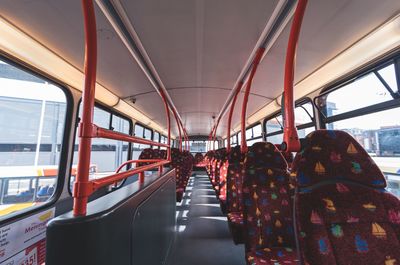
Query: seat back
column 234, row 180
column 343, row 213
column 267, row 199
column 147, row 153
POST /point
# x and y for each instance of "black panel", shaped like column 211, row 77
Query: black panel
column 107, row 234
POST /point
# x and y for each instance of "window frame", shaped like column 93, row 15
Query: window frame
column 374, row 68
column 298, row 103
column 112, row 112
column 252, row 132
column 64, row 149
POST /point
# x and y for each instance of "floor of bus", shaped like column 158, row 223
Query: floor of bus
column 203, row 235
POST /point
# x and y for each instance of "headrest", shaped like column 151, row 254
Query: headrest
column 335, row 155
column 265, row 155
column 146, row 153
column 221, row 153
column 235, row 155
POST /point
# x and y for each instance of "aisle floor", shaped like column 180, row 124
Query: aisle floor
column 203, row 237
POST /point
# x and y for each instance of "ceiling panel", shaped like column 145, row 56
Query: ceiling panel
column 59, row 25
column 328, row 28
column 199, row 47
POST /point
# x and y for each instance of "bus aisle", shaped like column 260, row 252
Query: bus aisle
column 203, row 236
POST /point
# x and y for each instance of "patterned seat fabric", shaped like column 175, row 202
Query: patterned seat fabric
column 267, row 207
column 210, row 158
column 147, row 153
column 199, row 160
column 343, row 213
column 234, row 202
column 288, row 156
column 177, row 162
column 273, row 256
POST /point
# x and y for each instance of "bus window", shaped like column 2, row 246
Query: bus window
column 376, row 127
column 369, row 91
column 156, row 138
column 254, row 135
column 137, row 148
column 106, row 154
column 32, row 121
column 305, row 123
column 197, row 146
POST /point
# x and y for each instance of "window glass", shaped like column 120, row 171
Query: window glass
column 253, row 141
column 303, row 114
column 197, row 146
column 106, row 154
column 226, row 142
column 368, row 89
column 233, row 140
column 257, row 130
column 275, row 139
column 156, row 137
column 249, row 133
column 379, row 134
column 32, row 120
column 239, row 138
column 147, row 134
column 388, row 73
column 274, row 125
column 137, row 148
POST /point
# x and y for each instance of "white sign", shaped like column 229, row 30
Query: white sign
column 24, row 242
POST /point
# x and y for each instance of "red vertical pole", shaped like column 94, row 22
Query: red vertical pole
column 168, row 125
column 291, row 142
column 228, row 148
column 179, row 130
column 85, row 127
column 256, row 61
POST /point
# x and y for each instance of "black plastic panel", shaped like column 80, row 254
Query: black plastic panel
column 120, row 228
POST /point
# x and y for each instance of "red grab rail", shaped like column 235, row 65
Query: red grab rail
column 228, row 143
column 256, row 62
column 83, row 187
column 291, row 142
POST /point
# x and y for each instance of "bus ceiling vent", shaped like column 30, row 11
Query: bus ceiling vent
column 291, row 142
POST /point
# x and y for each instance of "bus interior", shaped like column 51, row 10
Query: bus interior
column 201, row 132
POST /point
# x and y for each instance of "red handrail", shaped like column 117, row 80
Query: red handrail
column 291, row 142
column 228, row 142
column 83, row 187
column 256, row 62
column 179, row 130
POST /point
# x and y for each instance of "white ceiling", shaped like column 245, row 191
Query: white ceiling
column 198, row 47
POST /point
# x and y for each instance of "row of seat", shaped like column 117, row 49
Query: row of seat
column 331, row 207
column 181, row 161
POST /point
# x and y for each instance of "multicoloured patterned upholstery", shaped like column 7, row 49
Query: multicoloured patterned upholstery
column 267, row 207
column 234, row 201
column 147, row 153
column 288, row 156
column 199, row 160
column 178, row 164
column 343, row 213
column 272, row 256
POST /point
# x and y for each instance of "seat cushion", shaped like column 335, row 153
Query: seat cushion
column 272, row 256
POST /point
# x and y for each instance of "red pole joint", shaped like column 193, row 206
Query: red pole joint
column 256, row 62
column 291, row 142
